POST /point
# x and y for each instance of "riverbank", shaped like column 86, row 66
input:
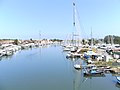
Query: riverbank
column 9, row 47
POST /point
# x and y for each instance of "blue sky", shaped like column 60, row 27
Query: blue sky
column 24, row 19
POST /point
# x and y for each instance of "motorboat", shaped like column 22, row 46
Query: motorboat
column 77, row 66
column 92, row 71
column 118, row 79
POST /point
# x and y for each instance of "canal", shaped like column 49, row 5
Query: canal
column 47, row 68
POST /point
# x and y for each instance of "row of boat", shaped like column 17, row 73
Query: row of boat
column 10, row 49
column 90, row 55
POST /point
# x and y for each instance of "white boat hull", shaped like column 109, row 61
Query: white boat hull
column 77, row 66
column 118, row 79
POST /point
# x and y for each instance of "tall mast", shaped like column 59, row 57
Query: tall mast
column 108, row 39
column 76, row 22
column 39, row 36
column 74, row 13
column 112, row 41
column 91, row 38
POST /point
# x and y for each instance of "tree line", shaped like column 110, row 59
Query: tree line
column 109, row 39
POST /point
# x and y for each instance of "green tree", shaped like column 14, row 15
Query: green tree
column 111, row 38
column 16, row 42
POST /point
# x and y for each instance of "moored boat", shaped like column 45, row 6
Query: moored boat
column 118, row 79
column 77, row 66
column 92, row 71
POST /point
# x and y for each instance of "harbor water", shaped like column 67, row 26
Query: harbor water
column 47, row 68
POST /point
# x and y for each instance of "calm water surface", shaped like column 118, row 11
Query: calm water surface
column 48, row 69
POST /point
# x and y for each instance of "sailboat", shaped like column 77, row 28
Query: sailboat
column 76, row 24
column 76, row 44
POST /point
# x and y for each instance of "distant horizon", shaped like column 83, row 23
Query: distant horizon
column 51, row 38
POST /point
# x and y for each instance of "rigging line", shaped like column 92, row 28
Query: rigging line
column 81, row 27
column 74, row 20
column 76, row 13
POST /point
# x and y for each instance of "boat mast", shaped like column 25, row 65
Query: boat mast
column 76, row 23
column 73, row 22
column 112, row 41
column 91, row 38
column 40, row 37
column 108, row 39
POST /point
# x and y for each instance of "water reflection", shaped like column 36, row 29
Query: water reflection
column 77, row 73
column 73, row 58
column 117, row 85
column 79, row 79
column 6, row 57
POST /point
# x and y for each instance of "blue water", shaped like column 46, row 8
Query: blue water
column 47, row 68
